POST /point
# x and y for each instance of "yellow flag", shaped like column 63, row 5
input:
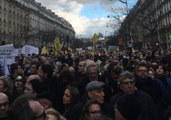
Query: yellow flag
column 141, row 57
column 69, row 49
column 66, row 52
column 45, row 50
column 57, row 45
column 94, row 38
column 117, row 49
column 80, row 52
column 106, row 53
column 133, row 50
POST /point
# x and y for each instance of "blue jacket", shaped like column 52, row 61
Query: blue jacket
column 164, row 86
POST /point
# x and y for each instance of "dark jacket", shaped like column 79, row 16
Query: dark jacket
column 147, row 107
column 151, row 87
column 164, row 83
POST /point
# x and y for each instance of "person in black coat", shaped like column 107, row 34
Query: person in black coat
column 94, row 91
column 126, row 82
column 50, row 83
column 146, row 84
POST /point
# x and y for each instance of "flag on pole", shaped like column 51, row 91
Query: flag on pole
column 45, row 50
column 57, row 45
column 94, row 38
column 69, row 49
column 133, row 50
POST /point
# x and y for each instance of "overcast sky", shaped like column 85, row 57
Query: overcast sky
column 86, row 16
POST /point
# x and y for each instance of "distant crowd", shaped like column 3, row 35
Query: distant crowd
column 88, row 85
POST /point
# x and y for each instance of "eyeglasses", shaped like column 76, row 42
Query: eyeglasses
column 95, row 112
column 4, row 104
column 80, row 65
column 128, row 82
column 43, row 116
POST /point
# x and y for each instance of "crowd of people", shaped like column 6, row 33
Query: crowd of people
column 115, row 85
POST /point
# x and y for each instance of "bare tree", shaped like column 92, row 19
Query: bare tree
column 148, row 18
column 118, row 14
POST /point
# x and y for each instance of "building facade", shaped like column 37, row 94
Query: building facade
column 12, row 22
column 28, row 22
column 148, row 23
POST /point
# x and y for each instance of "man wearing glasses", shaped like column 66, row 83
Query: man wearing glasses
column 126, row 83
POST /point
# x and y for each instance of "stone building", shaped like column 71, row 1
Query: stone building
column 28, row 22
column 12, row 22
column 148, row 23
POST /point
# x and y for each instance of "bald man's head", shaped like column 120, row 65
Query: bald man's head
column 3, row 96
column 4, row 105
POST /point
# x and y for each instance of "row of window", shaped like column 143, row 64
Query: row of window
column 11, row 28
column 13, row 18
column 158, row 7
column 14, row 10
column 10, row 12
column 14, row 24
column 11, row 34
column 166, row 21
column 21, row 22
column 13, row 15
column 162, row 14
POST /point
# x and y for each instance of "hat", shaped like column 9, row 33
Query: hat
column 94, row 85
